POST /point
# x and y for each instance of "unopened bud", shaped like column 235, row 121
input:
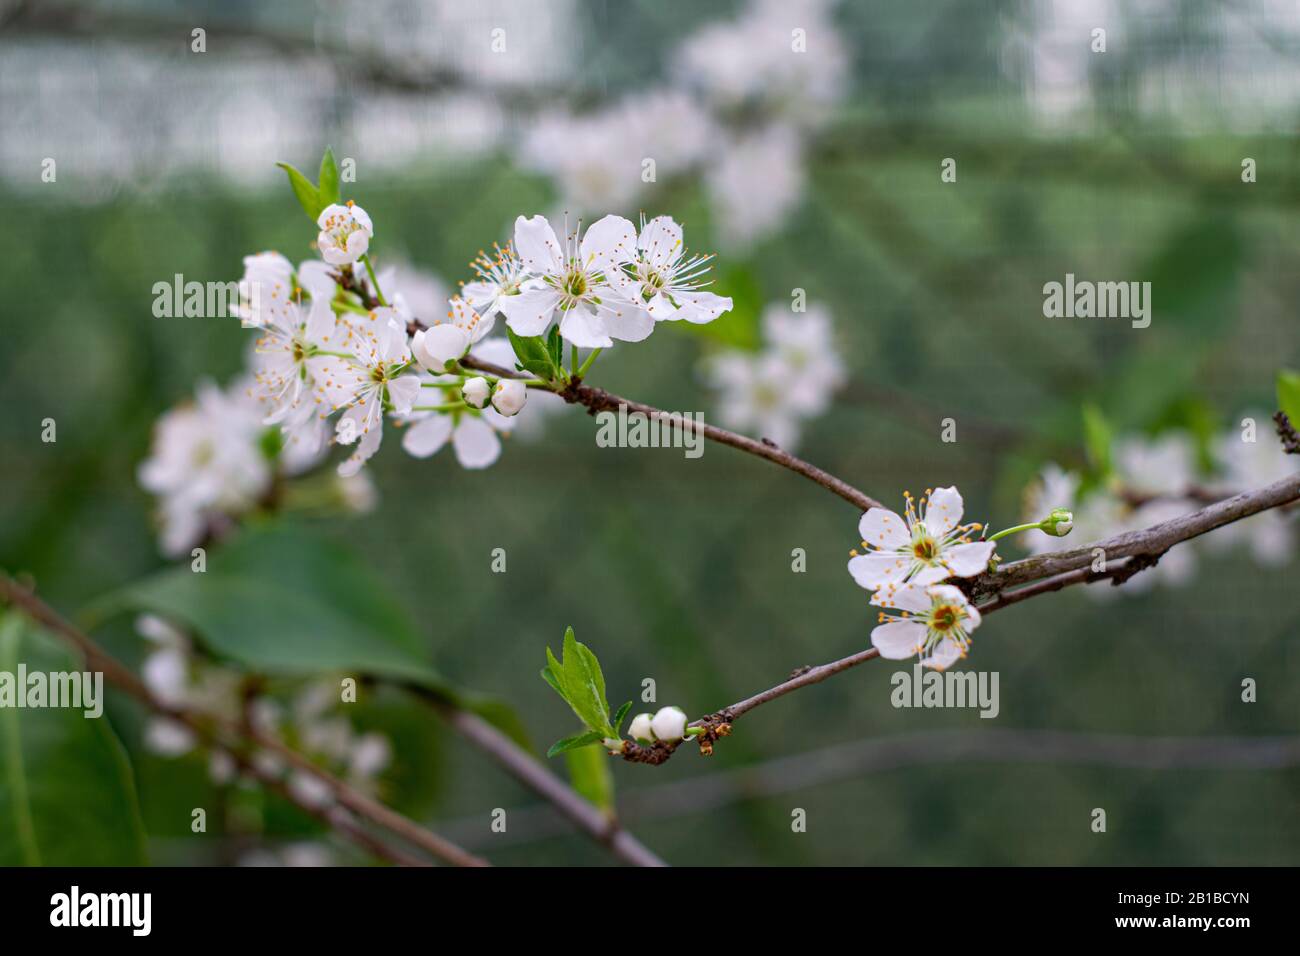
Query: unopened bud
column 640, row 731
column 509, row 396
column 669, row 724
column 1058, row 523
column 476, row 392
column 435, row 347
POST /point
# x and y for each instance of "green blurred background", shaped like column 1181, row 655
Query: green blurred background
column 676, row 569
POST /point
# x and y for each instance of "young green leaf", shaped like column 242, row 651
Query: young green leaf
column 548, row 675
column 1288, row 395
column 308, row 195
column 584, row 739
column 584, row 683
column 590, row 775
column 327, row 189
column 620, row 717
column 533, row 354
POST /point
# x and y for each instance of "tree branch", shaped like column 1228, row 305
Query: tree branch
column 598, row 400
column 203, row 725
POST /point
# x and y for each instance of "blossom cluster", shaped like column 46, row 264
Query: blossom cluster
column 905, row 562
column 787, row 381
column 744, row 94
column 1158, row 479
column 312, row 723
column 338, row 340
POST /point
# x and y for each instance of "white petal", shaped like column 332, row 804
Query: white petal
column 945, row 654
column 627, row 323
column 968, row 560
column 905, row 597
column 537, row 246
column 584, row 329
column 609, row 240
column 943, row 511
column 873, row 571
column 427, row 435
column 476, row 444
column 898, row 640
column 701, row 307
column 530, row 312
column 403, row 391
column 882, row 529
column 661, row 241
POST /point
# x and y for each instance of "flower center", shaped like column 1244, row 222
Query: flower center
column 924, row 549
column 575, row 283
column 944, row 617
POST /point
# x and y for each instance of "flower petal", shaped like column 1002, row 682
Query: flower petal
column 967, row 560
column 943, row 511
column 873, row 571
column 609, row 241
column 944, row 655
column 537, row 246
column 529, row 312
column 427, row 435
column 905, row 597
column 584, row 329
column 475, row 443
column 898, row 640
column 881, row 528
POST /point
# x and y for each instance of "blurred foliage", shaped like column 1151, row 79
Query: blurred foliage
column 680, row 569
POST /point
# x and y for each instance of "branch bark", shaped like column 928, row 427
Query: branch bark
column 220, row 733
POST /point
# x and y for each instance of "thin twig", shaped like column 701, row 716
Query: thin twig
column 598, row 400
column 98, row 659
column 524, row 767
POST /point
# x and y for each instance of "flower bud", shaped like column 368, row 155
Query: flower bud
column 345, row 233
column 509, row 396
column 639, row 730
column 669, row 725
column 436, row 346
column 476, row 392
column 1058, row 523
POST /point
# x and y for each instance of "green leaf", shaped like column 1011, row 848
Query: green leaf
column 327, row 189
column 620, row 717
column 548, row 675
column 590, row 775
column 1288, row 395
column 67, row 792
column 584, row 684
column 555, row 346
column 281, row 601
column 584, row 739
column 308, row 195
column 1097, row 438
column 533, row 354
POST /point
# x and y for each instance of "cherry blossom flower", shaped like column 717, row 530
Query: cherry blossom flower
column 375, row 381
column 509, row 396
column 345, row 233
column 662, row 279
column 924, row 546
column 575, row 283
column 935, row 623
column 473, row 433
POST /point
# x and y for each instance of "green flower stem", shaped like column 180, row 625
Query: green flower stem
column 342, row 305
column 374, row 283
column 1035, row 526
column 591, row 359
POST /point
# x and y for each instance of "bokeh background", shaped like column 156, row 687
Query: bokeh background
column 1117, row 165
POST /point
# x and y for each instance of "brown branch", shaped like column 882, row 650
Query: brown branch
column 1286, row 431
column 211, row 729
column 525, row 768
column 1043, row 574
column 598, row 400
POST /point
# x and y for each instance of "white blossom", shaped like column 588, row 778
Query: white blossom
column 345, row 233
column 935, row 623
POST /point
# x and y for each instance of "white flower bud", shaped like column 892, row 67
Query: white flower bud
column 669, row 725
column 639, row 730
column 509, row 396
column 1059, row 523
column 476, row 392
column 437, row 346
column 345, row 233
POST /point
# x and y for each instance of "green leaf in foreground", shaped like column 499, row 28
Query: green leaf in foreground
column 590, row 775
column 67, row 792
column 327, row 188
column 1097, row 437
column 308, row 195
column 281, row 601
column 584, row 739
column 1288, row 395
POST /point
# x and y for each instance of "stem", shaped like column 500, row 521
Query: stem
column 591, row 360
column 449, row 407
column 374, row 283
column 1032, row 526
column 203, row 726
